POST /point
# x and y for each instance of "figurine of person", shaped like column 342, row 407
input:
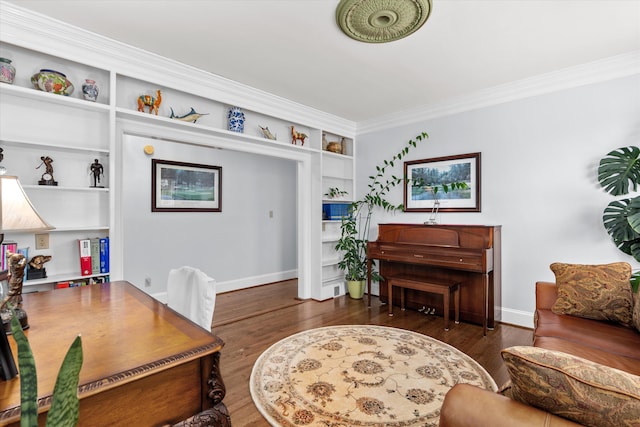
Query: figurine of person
column 96, row 170
column 47, row 176
column 17, row 263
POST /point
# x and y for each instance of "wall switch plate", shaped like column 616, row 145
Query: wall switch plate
column 42, row 241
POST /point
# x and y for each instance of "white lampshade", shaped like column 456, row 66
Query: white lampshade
column 16, row 211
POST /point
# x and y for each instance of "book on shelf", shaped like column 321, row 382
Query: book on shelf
column 95, row 255
column 25, row 252
column 104, row 255
column 84, row 248
column 61, row 285
column 7, row 246
column 81, row 282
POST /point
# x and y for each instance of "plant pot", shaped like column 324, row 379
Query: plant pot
column 356, row 288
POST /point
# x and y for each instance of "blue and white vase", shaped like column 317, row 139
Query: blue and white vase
column 90, row 90
column 236, row 120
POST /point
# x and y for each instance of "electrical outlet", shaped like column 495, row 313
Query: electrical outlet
column 42, row 241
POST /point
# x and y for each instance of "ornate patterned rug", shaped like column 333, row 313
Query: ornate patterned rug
column 359, row 375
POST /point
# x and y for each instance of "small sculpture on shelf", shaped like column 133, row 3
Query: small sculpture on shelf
column 149, row 101
column 13, row 299
column 96, row 170
column 267, row 133
column 191, row 116
column 336, row 147
column 37, row 270
column 297, row 136
column 47, row 176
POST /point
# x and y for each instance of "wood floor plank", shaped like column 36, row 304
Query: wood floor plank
column 251, row 320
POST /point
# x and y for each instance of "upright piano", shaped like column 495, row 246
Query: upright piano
column 468, row 254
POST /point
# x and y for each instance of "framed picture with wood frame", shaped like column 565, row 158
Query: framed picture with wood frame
column 185, row 187
column 426, row 179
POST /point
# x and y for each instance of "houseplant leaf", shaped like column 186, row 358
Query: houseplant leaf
column 616, row 223
column 28, row 377
column 620, row 170
column 65, row 405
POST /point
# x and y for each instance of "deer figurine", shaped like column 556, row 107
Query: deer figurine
column 297, row 136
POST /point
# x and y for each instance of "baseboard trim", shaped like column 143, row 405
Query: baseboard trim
column 245, row 282
column 517, row 317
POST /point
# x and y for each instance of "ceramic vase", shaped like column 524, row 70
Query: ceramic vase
column 7, row 71
column 52, row 81
column 90, row 90
column 236, row 120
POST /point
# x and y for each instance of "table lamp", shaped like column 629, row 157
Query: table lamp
column 17, row 214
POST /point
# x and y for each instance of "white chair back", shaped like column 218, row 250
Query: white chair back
column 192, row 293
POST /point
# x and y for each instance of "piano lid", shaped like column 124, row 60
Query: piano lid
column 445, row 236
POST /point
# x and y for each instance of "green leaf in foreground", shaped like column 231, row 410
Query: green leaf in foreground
column 28, row 378
column 65, row 405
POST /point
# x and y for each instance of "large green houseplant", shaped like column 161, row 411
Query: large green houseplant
column 355, row 227
column 65, row 406
column 619, row 175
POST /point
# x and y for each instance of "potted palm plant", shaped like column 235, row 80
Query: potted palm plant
column 619, row 175
column 355, row 227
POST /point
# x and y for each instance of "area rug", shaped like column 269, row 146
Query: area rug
column 359, row 375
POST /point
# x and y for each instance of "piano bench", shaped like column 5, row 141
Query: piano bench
column 421, row 284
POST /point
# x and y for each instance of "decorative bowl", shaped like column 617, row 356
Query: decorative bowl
column 334, row 147
column 52, row 81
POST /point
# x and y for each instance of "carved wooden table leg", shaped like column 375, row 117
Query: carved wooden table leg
column 217, row 391
column 217, row 415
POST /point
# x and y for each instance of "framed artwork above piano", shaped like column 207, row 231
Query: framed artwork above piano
column 468, row 254
column 435, row 174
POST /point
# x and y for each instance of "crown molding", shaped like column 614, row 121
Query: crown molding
column 39, row 32
column 614, row 67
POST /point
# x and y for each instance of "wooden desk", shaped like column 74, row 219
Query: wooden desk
column 144, row 364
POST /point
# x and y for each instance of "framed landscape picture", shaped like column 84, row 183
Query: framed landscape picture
column 185, row 187
column 425, row 175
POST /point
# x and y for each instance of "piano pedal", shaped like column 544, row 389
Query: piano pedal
column 421, row 310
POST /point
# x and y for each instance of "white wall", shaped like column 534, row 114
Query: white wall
column 539, row 180
column 240, row 246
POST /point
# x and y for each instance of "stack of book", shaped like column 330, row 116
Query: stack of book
column 6, row 248
column 94, row 256
column 81, row 282
column 10, row 247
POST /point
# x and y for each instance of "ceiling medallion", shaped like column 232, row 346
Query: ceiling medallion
column 381, row 21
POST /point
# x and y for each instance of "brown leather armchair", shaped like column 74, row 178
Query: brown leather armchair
column 469, row 406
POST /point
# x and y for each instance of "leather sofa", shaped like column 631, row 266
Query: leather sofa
column 609, row 344
column 605, row 343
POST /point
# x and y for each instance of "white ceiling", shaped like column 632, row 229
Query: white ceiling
column 294, row 49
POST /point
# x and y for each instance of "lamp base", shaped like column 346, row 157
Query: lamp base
column 6, row 319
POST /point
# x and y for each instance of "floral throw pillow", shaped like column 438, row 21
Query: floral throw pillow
column 600, row 292
column 573, row 388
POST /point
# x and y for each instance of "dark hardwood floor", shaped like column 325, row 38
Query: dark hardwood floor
column 251, row 320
